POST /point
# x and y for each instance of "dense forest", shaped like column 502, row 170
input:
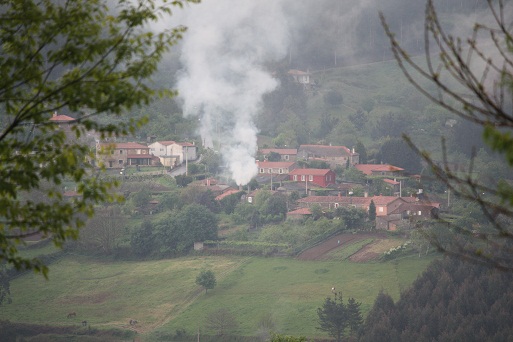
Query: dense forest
column 452, row 301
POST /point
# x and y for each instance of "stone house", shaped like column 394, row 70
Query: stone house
column 333, row 155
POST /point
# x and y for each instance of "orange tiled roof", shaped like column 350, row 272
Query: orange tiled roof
column 300, row 211
column 61, row 118
column 124, row 145
column 313, row 172
column 279, row 150
column 226, row 194
column 389, row 181
column 369, row 168
column 268, row 164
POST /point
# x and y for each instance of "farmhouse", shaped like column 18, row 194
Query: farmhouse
column 119, row 155
column 286, row 154
column 405, row 214
column 320, row 177
column 173, row 153
column 275, row 167
column 333, row 202
column 333, row 155
column 301, row 77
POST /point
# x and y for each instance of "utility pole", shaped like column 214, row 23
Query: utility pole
column 186, row 162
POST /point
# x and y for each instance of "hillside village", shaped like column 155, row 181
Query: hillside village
column 316, row 186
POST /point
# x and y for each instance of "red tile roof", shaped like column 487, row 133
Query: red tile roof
column 313, row 172
column 297, row 72
column 389, row 181
column 166, row 142
column 279, row 150
column 385, row 200
column 127, row 145
column 300, row 211
column 140, row 156
column 368, row 169
column 61, row 118
column 327, row 150
column 226, row 194
column 268, row 164
column 364, row 201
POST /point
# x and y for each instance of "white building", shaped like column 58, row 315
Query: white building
column 172, row 153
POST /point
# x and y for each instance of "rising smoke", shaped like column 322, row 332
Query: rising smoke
column 223, row 78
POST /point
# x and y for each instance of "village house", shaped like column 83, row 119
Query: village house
column 333, row 202
column 299, row 214
column 286, row 154
column 278, row 168
column 390, row 210
column 120, row 155
column 172, row 153
column 301, row 77
column 319, row 177
column 406, row 214
column 333, row 155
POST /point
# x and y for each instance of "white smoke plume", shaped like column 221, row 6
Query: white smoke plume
column 223, row 78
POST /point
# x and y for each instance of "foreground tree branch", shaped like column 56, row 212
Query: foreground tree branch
column 473, row 79
column 87, row 58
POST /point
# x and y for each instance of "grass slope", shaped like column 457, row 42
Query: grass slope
column 163, row 297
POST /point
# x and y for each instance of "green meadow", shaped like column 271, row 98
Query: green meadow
column 163, row 297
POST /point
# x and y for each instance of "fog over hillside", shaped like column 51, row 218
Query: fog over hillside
column 228, row 44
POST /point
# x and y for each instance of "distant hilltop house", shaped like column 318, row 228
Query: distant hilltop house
column 286, row 154
column 65, row 123
column 279, row 168
column 172, row 153
column 333, row 155
column 319, row 177
column 119, row 155
column 302, row 77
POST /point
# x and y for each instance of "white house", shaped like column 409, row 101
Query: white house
column 172, row 153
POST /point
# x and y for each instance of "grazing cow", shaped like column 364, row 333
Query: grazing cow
column 72, row 315
column 84, row 323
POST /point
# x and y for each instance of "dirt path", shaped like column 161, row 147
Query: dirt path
column 337, row 241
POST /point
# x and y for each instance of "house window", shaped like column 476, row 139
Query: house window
column 261, row 170
column 420, row 212
column 120, row 151
column 310, row 178
column 250, row 199
column 280, row 171
column 336, row 205
column 286, row 157
column 120, row 162
column 302, row 177
column 380, row 209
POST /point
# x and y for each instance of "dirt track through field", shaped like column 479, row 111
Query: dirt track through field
column 337, row 241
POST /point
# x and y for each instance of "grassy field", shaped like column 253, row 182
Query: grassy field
column 163, row 297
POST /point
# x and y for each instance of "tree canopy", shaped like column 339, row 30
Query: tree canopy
column 207, row 279
column 84, row 58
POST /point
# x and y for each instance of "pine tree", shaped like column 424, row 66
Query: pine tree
column 333, row 317
column 372, row 211
column 354, row 315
